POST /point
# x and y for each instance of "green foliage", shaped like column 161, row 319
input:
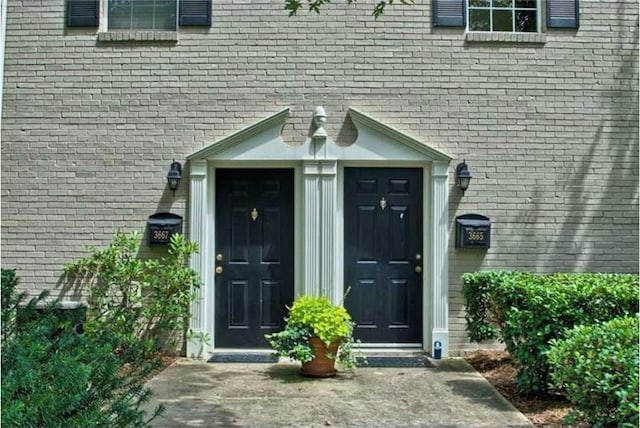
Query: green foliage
column 529, row 310
column 314, row 5
column 315, row 316
column 327, row 321
column 52, row 376
column 9, row 283
column 201, row 339
column 596, row 366
column 9, row 302
column 145, row 300
column 481, row 313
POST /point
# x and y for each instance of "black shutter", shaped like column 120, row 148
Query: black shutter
column 195, row 12
column 82, row 13
column 449, row 13
column 563, row 13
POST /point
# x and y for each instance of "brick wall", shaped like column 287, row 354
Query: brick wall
column 549, row 130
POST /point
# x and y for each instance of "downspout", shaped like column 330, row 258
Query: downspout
column 3, row 34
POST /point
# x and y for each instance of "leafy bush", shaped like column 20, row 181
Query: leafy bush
column 138, row 299
column 9, row 284
column 481, row 314
column 529, row 310
column 597, row 368
column 52, row 376
column 327, row 321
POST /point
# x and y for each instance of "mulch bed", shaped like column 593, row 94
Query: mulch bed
column 544, row 410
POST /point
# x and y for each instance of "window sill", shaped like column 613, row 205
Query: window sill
column 138, row 36
column 497, row 37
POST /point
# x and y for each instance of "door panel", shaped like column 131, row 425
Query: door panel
column 239, row 239
column 254, row 235
column 269, row 293
column 238, row 306
column 383, row 235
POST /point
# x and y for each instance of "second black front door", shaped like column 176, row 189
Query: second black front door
column 383, row 253
column 254, row 254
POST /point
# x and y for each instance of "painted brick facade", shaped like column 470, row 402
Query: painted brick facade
column 549, row 129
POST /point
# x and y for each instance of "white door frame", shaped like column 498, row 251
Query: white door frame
column 318, row 200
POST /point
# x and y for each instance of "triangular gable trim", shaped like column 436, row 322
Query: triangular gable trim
column 362, row 120
column 275, row 121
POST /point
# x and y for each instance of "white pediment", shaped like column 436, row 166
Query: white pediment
column 262, row 141
column 379, row 142
column 257, row 142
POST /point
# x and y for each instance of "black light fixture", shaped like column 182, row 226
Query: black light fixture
column 174, row 176
column 463, row 176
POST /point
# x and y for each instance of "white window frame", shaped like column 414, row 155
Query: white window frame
column 513, row 8
column 104, row 19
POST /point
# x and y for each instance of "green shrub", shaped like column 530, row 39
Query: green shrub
column 147, row 300
column 9, row 302
column 529, row 310
column 481, row 314
column 596, row 366
column 9, row 284
column 52, row 376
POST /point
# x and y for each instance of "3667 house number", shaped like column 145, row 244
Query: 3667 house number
column 161, row 235
column 161, row 226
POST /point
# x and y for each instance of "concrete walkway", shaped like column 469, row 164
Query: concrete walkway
column 453, row 394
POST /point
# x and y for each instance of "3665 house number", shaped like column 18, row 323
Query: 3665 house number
column 473, row 235
column 473, row 231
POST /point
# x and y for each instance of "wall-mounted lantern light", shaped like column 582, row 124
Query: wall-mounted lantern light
column 463, row 176
column 174, row 176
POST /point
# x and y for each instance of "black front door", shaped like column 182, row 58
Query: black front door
column 254, row 254
column 383, row 253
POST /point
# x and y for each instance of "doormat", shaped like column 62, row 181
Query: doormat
column 239, row 357
column 400, row 362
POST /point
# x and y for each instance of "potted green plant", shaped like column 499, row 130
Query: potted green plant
column 317, row 333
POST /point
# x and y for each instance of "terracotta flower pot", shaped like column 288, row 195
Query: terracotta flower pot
column 321, row 365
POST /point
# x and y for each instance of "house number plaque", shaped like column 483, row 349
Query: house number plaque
column 473, row 231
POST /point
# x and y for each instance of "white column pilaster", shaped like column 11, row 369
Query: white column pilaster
column 329, row 192
column 320, row 205
column 197, row 233
column 439, row 256
column 311, row 226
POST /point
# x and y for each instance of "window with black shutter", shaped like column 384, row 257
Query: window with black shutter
column 449, row 13
column 82, row 13
column 195, row 12
column 146, row 15
column 506, row 16
column 563, row 13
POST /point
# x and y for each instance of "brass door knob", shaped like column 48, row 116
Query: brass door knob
column 219, row 270
column 418, row 269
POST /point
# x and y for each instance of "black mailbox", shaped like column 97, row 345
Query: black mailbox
column 161, row 226
column 473, row 231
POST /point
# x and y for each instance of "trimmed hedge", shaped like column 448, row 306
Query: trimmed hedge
column 483, row 317
column 526, row 311
column 597, row 368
